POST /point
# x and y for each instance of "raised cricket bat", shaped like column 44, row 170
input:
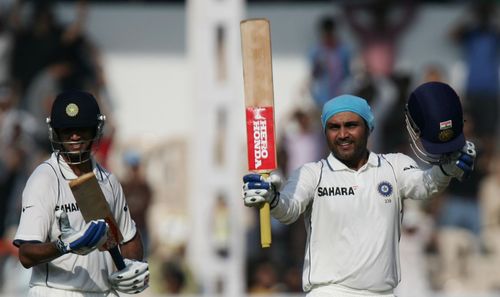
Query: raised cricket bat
column 259, row 104
column 93, row 206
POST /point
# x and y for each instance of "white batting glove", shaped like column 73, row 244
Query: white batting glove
column 258, row 189
column 132, row 279
column 461, row 163
column 83, row 241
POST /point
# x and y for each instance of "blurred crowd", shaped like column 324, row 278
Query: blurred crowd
column 449, row 244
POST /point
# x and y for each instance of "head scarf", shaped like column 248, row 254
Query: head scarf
column 350, row 103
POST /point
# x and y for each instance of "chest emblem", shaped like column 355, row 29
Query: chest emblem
column 385, row 189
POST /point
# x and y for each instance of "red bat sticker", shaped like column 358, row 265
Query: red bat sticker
column 260, row 138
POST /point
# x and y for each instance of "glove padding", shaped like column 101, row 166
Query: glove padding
column 132, row 279
column 461, row 164
column 81, row 242
column 258, row 189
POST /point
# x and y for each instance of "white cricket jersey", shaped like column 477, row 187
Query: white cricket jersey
column 353, row 218
column 47, row 191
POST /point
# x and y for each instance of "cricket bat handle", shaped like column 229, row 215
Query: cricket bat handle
column 265, row 225
column 117, row 257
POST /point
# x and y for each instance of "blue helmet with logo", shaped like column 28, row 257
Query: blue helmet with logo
column 434, row 120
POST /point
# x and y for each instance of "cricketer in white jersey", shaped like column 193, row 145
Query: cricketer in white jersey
column 53, row 237
column 352, row 203
column 47, row 191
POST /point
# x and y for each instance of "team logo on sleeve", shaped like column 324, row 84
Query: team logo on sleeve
column 385, row 189
column 26, row 207
column 410, row 167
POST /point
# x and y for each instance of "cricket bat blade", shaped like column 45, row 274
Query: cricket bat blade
column 93, row 206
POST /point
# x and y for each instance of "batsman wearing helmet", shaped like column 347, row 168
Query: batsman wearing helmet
column 53, row 237
column 352, row 200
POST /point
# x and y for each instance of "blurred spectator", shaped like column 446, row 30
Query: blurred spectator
column 490, row 211
column 433, row 72
column 41, row 34
column 44, row 41
column 41, row 92
column 174, row 277
column 478, row 35
column 19, row 153
column 264, row 278
column 390, row 135
column 9, row 22
column 301, row 142
column 221, row 226
column 292, row 279
column 138, row 194
column 379, row 26
column 415, row 235
column 330, row 63
column 379, row 32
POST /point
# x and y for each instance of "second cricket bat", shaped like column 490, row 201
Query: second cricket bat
column 259, row 104
column 93, row 206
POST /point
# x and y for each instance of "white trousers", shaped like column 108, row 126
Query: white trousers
column 40, row 291
column 338, row 291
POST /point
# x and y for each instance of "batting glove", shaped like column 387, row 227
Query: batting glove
column 81, row 242
column 258, row 189
column 132, row 279
column 461, row 163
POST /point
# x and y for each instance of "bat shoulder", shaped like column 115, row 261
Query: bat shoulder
column 400, row 161
column 396, row 157
column 44, row 173
column 309, row 171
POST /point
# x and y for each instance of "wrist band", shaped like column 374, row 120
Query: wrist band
column 61, row 247
column 442, row 170
column 275, row 200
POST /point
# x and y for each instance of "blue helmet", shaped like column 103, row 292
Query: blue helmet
column 434, row 119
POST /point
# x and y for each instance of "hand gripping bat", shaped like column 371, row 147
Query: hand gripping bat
column 93, row 206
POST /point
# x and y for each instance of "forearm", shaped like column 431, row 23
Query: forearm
column 426, row 184
column 133, row 249
column 286, row 210
column 31, row 254
column 295, row 195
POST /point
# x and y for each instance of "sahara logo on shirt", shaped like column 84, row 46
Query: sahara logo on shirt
column 385, row 188
column 335, row 191
column 68, row 207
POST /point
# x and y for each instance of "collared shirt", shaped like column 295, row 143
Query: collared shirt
column 353, row 217
column 47, row 191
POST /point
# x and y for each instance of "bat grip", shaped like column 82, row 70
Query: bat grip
column 265, row 225
column 117, row 257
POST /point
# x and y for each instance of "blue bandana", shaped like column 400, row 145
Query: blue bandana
column 350, row 103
